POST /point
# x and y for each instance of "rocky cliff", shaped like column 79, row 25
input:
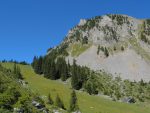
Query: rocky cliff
column 117, row 44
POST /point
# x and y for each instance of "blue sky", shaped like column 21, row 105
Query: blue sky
column 30, row 27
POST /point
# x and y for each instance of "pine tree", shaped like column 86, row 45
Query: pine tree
column 98, row 50
column 115, row 48
column 64, row 71
column 74, row 79
column 59, row 103
column 46, row 67
column 69, row 67
column 34, row 61
column 122, row 48
column 52, row 73
column 50, row 101
column 73, row 102
column 39, row 65
column 106, row 52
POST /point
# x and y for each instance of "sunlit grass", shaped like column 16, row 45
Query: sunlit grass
column 87, row 103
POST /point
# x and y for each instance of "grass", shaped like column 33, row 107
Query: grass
column 77, row 48
column 87, row 103
column 136, row 46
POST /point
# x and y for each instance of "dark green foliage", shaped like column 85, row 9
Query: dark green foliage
column 12, row 94
column 98, row 50
column 122, row 48
column 112, row 32
column 79, row 76
column 91, row 23
column 59, row 103
column 148, row 21
column 85, row 40
column 16, row 62
column 115, row 48
column 62, row 50
column 106, row 52
column 25, row 104
column 77, row 36
column 73, row 102
column 120, row 19
column 146, row 26
column 91, row 85
column 17, row 72
column 62, row 68
column 37, row 64
column 55, row 67
column 102, row 49
column 75, row 80
column 50, row 101
column 9, row 98
column 144, row 38
column 51, row 66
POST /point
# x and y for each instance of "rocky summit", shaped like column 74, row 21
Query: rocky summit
column 116, row 44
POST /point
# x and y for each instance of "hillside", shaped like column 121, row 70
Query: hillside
column 14, row 97
column 102, row 66
column 118, row 44
column 87, row 103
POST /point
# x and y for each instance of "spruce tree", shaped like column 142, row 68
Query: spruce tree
column 106, row 52
column 34, row 61
column 39, row 65
column 74, row 79
column 98, row 50
column 64, row 71
column 122, row 48
column 52, row 73
column 73, row 102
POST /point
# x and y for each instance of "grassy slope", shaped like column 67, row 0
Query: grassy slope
column 77, row 48
column 139, row 49
column 87, row 103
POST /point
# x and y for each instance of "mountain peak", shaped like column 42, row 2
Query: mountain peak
column 112, row 38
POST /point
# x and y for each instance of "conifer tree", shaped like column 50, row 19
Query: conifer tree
column 39, row 65
column 73, row 102
column 74, row 79
column 106, row 52
column 98, row 50
column 34, row 61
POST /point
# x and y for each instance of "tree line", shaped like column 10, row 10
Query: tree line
column 54, row 66
column 57, row 68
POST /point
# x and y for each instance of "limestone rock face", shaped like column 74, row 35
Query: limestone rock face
column 127, row 40
column 106, row 29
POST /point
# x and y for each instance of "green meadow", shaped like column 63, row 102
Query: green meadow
column 87, row 103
